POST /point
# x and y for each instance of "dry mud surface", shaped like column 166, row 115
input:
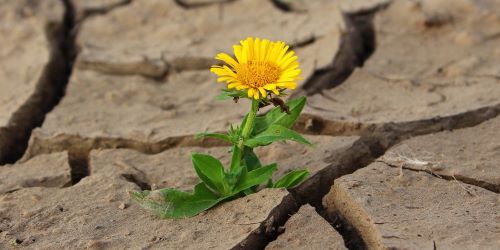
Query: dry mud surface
column 101, row 97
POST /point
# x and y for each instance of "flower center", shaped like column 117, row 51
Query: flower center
column 258, row 73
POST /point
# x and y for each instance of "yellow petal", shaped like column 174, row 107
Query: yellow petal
column 240, row 56
column 292, row 66
column 270, row 51
column 264, row 45
column 262, row 91
column 256, row 94
column 286, row 58
column 292, row 61
column 227, row 79
column 256, row 49
column 250, row 92
column 227, row 59
column 249, row 48
column 279, row 49
column 233, row 85
column 288, row 85
column 270, row 86
column 282, row 53
column 240, row 87
column 222, row 71
column 293, row 72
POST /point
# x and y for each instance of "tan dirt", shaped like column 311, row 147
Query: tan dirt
column 173, row 168
column 97, row 213
column 85, row 8
column 42, row 171
column 165, row 42
column 132, row 110
column 470, row 155
column 24, row 57
column 140, row 89
column 415, row 210
column 307, row 230
column 456, row 71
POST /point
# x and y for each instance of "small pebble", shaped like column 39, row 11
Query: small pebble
column 122, row 206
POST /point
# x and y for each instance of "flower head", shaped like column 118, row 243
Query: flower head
column 261, row 67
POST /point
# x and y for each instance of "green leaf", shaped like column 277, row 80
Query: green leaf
column 230, row 93
column 292, row 179
column 223, row 96
column 275, row 133
column 250, row 162
column 172, row 203
column 250, row 159
column 223, row 137
column 244, row 121
column 234, row 133
column 248, row 191
column 235, row 159
column 232, row 178
column 237, row 169
column 210, row 171
column 278, row 117
column 255, row 177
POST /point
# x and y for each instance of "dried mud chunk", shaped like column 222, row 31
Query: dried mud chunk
column 24, row 57
column 84, row 8
column 290, row 155
column 418, row 70
column 88, row 214
column 199, row 3
column 415, row 210
column 471, row 154
column 103, row 111
column 173, row 168
column 409, row 49
column 349, row 6
column 174, row 38
column 50, row 170
column 307, row 230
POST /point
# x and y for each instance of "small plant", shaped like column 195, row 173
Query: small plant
column 261, row 72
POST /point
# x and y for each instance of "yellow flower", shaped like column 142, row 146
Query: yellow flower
column 261, row 66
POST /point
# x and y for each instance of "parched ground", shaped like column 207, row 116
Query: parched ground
column 101, row 97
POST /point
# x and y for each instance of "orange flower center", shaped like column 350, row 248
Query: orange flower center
column 257, row 74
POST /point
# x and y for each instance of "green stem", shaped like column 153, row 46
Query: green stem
column 247, row 130
column 248, row 126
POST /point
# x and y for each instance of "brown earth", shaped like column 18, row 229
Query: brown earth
column 403, row 99
column 29, row 62
column 415, row 210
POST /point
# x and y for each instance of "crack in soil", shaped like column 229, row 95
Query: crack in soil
column 158, row 69
column 49, row 90
column 375, row 141
column 352, row 238
column 79, row 151
column 190, row 5
column 142, row 184
column 316, row 125
column 306, row 124
column 83, row 145
column 373, row 144
column 79, row 164
column 270, row 228
column 459, row 178
column 357, row 45
column 102, row 10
